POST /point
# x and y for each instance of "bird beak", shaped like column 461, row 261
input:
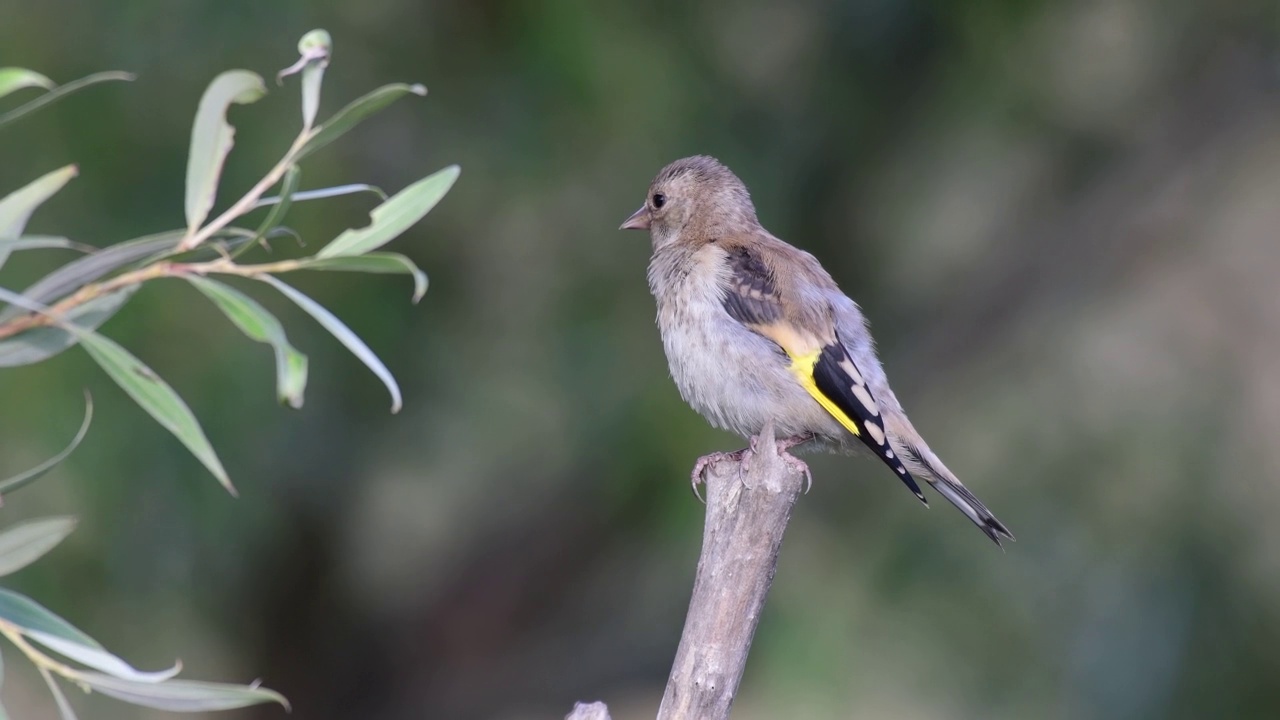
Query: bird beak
column 639, row 220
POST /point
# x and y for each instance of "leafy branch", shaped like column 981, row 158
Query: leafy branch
column 66, row 307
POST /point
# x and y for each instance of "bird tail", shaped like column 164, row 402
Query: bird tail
column 927, row 465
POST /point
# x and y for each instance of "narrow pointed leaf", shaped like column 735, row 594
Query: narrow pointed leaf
column 64, row 708
column 254, row 321
column 212, row 137
column 100, row 659
column 314, row 50
column 39, row 242
column 394, row 216
column 16, row 207
column 26, row 542
column 13, row 79
column 40, row 344
column 4, row 714
column 62, row 91
column 181, row 695
column 32, row 616
column 375, row 262
column 155, row 396
column 142, row 384
column 11, row 484
column 344, row 336
column 322, row 193
column 355, row 112
column 78, row 273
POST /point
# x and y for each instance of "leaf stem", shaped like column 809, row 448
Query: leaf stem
column 92, row 291
column 14, row 635
column 250, row 199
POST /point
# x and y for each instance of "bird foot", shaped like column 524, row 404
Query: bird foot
column 793, row 463
column 699, row 475
column 743, row 458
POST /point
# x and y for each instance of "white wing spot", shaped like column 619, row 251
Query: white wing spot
column 875, row 431
column 865, row 398
column 888, row 453
column 848, row 367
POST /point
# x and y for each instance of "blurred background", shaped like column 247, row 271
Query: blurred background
column 1061, row 218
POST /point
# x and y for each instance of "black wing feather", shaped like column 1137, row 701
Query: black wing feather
column 849, row 392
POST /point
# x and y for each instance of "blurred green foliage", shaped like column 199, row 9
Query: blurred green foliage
column 1059, row 217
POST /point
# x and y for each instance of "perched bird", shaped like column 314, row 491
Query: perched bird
column 755, row 330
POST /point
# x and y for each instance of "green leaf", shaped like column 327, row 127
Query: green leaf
column 146, row 388
column 355, row 112
column 181, row 695
column 254, row 321
column 344, row 336
column 394, row 216
column 26, row 542
column 16, row 207
column 11, row 484
column 62, row 91
column 39, row 242
column 13, row 79
column 43, row 343
column 64, row 707
column 314, row 50
column 375, row 262
column 155, row 396
column 30, row 615
column 100, row 659
column 77, row 273
column 4, row 714
column 212, row 137
column 322, row 193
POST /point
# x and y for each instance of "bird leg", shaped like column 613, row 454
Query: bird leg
column 793, row 463
column 743, row 458
column 699, row 474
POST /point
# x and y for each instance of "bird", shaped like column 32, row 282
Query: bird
column 757, row 332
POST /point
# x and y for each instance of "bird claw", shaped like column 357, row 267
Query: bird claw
column 794, row 463
column 699, row 474
column 743, row 458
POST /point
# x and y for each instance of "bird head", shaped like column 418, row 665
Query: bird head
column 690, row 199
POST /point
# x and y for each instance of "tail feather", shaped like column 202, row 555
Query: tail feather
column 941, row 479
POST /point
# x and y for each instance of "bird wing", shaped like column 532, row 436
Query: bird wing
column 819, row 360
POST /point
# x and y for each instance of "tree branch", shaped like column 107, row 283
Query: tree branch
column 747, row 513
column 748, row 507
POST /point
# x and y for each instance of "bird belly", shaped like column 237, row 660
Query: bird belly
column 736, row 379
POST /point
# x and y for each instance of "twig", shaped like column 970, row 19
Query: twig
column 93, row 291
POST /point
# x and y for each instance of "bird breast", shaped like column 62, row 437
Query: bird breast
column 735, row 378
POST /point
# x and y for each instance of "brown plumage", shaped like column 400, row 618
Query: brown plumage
column 755, row 330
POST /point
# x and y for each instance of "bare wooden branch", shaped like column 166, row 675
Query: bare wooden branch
column 589, row 711
column 748, row 507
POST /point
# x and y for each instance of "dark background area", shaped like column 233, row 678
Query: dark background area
column 1060, row 217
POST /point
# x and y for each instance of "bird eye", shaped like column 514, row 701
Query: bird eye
column 659, row 200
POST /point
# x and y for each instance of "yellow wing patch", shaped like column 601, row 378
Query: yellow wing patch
column 802, row 368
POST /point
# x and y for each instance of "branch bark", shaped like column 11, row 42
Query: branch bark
column 748, row 507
